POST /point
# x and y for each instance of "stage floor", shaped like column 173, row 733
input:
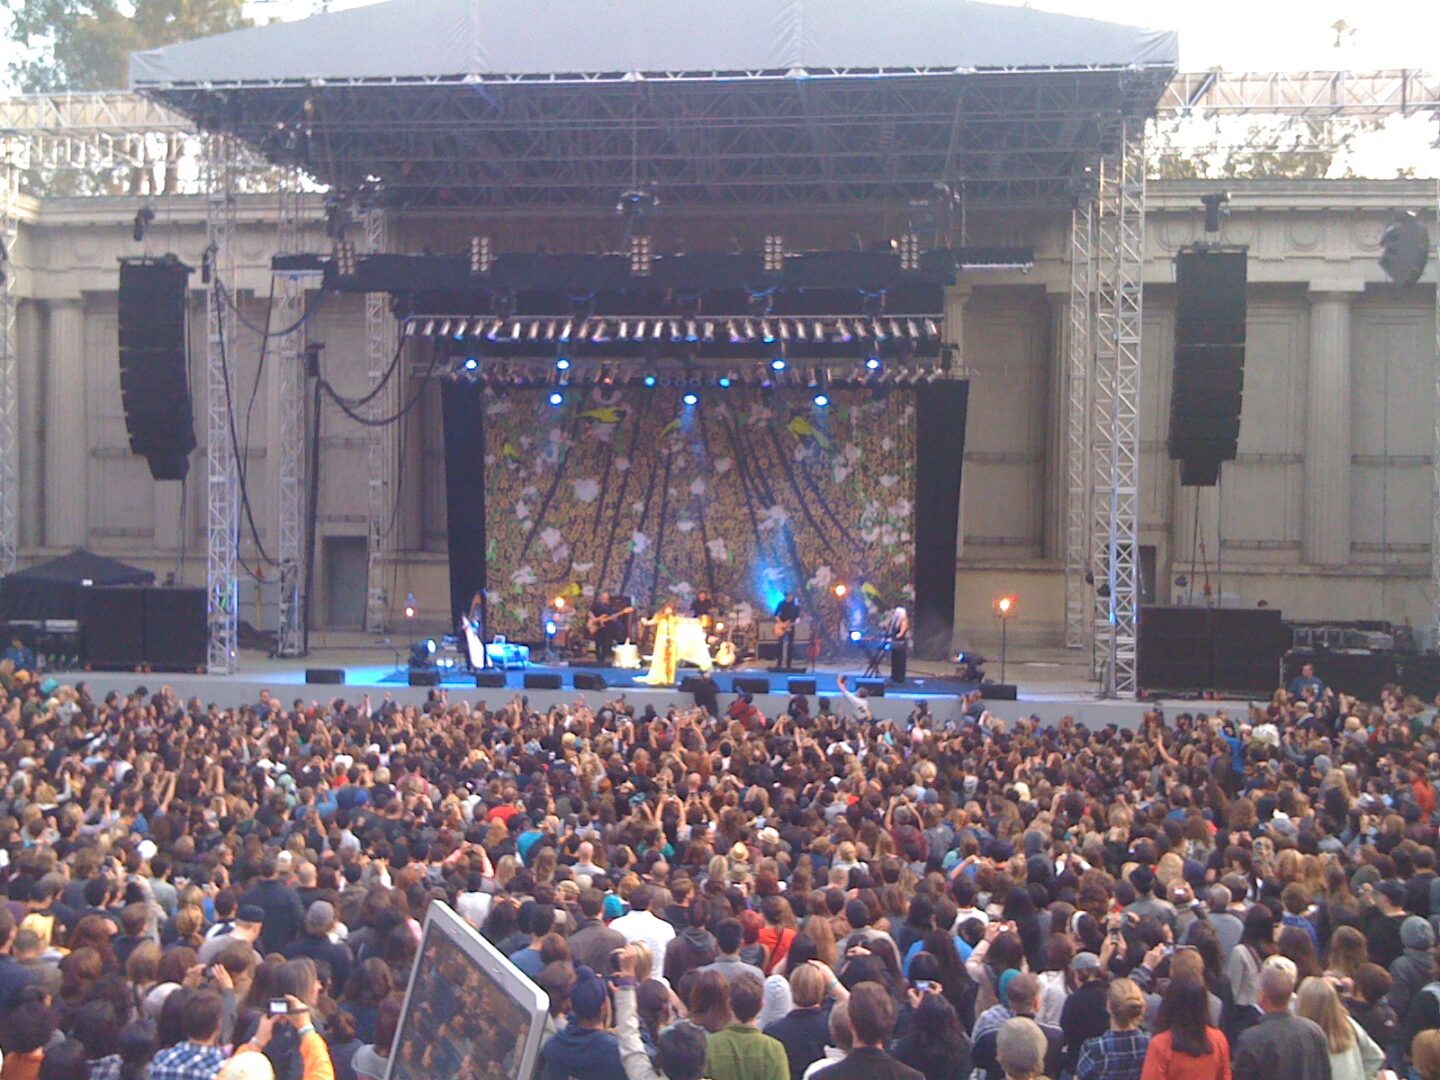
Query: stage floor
column 1052, row 684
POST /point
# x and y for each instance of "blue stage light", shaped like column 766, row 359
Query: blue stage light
column 873, row 363
column 856, row 635
column 650, row 382
column 550, row 627
column 557, row 398
column 724, row 382
column 562, row 364
column 430, row 646
column 471, row 363
column 821, row 400
column 778, row 364
column 690, row 399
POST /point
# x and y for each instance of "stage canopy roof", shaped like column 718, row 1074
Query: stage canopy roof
column 569, row 102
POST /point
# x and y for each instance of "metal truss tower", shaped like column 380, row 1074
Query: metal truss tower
column 9, row 364
column 1115, row 409
column 380, row 338
column 1080, row 352
column 287, row 322
column 222, row 488
column 1435, row 503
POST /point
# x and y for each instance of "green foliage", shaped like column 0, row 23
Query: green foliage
column 85, row 44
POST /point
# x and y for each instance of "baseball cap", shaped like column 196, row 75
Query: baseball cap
column 587, row 996
column 250, row 913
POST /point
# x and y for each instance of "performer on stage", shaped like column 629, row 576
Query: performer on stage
column 787, row 614
column 898, row 631
column 607, row 624
column 665, row 656
column 704, row 607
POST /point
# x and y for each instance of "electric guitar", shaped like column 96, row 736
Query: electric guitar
column 595, row 622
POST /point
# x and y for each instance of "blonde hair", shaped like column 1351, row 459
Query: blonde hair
column 1125, row 1003
column 1318, row 1001
column 1425, row 1054
column 807, row 986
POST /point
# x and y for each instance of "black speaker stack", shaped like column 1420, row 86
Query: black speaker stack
column 1209, row 377
column 154, row 384
column 128, row 627
column 1192, row 649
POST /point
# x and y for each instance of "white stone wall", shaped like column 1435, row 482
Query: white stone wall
column 1326, row 513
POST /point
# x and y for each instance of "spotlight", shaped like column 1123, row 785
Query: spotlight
column 778, row 364
column 649, row 381
column 856, row 635
column 550, row 628
column 723, row 382
column 562, row 364
column 557, row 398
column 873, row 364
column 471, row 363
column 691, row 399
column 559, row 603
column 411, row 606
column 840, row 590
column 1005, row 606
column 430, row 646
column 822, row 400
column 420, row 654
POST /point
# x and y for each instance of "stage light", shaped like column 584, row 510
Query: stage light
column 411, row 606
column 690, row 399
column 430, row 646
column 557, row 398
column 471, row 363
column 873, row 363
column 723, row 382
column 822, row 400
column 649, row 382
column 562, row 364
column 550, row 628
column 1006, row 606
column 856, row 635
column 778, row 364
column 840, row 590
column 559, row 603
column 719, row 627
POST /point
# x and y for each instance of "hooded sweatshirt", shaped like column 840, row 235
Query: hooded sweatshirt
column 691, row 948
column 1413, row 968
column 584, row 1053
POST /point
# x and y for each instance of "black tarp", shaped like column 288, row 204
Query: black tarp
column 51, row 590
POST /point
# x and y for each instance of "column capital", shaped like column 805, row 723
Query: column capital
column 1333, row 293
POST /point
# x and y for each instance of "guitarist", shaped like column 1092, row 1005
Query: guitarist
column 607, row 624
column 787, row 614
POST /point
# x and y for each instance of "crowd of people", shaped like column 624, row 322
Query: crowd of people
column 194, row 892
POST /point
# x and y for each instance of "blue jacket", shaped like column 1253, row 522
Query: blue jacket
column 582, row 1053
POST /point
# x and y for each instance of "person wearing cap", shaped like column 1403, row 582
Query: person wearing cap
column 1414, row 967
column 1383, row 921
column 1085, row 1014
column 314, row 942
column 249, row 926
column 584, row 1050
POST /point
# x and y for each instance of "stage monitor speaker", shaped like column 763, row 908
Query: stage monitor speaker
column 802, row 686
column 177, row 635
column 154, row 384
column 542, row 680
column 326, row 676
column 872, row 687
column 690, row 684
column 996, row 691
column 424, row 677
column 749, row 684
column 1209, row 374
column 112, row 621
column 589, row 680
column 490, row 678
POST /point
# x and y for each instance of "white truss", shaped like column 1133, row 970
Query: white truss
column 1435, row 502
column 380, row 344
column 9, row 368
column 222, row 488
column 288, row 311
column 1312, row 93
column 1080, row 353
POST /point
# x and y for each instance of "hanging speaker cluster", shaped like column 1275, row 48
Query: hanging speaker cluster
column 154, row 386
column 1404, row 248
column 1209, row 376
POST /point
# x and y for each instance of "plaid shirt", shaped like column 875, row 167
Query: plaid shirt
column 1116, row 1055
column 187, row 1061
column 106, row 1068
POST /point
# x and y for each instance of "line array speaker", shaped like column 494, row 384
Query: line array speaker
column 154, row 388
column 1209, row 377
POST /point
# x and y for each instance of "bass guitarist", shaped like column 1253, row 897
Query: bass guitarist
column 607, row 624
column 787, row 614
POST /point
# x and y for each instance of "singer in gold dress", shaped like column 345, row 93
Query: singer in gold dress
column 676, row 639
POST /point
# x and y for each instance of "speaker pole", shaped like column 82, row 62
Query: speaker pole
column 222, row 489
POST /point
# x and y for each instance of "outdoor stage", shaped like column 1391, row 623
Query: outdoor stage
column 1048, row 688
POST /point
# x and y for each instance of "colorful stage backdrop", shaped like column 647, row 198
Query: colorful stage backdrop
column 747, row 493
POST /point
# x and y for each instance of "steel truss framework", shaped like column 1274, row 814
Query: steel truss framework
column 9, row 367
column 287, row 315
column 381, row 478
column 222, row 487
column 1080, row 356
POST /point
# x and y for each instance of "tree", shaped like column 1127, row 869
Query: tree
column 86, row 44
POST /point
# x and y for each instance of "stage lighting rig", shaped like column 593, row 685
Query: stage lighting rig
column 143, row 217
column 1214, row 203
column 481, row 255
column 774, row 257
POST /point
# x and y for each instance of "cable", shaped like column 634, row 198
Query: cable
column 356, row 403
column 235, row 448
column 264, row 331
column 259, row 373
column 366, row 421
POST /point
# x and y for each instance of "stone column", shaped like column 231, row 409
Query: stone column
column 67, row 429
column 1327, row 431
